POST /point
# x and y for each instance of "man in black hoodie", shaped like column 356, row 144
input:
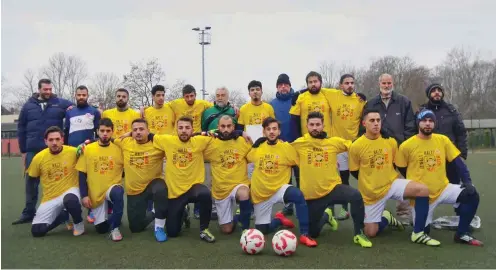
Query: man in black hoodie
column 450, row 124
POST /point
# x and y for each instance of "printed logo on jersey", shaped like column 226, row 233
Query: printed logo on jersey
column 256, row 118
column 182, row 157
column 318, row 157
column 121, row 127
column 229, row 158
column 57, row 171
column 430, row 160
column 103, row 164
column 139, row 159
column 191, row 114
column 269, row 163
column 345, row 111
column 316, row 106
column 379, row 159
column 158, row 122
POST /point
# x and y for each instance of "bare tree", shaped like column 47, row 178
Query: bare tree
column 175, row 91
column 65, row 72
column 140, row 80
column 236, row 98
column 76, row 72
column 330, row 74
column 102, row 90
column 17, row 95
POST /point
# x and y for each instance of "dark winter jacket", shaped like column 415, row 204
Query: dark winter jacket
column 398, row 119
column 211, row 116
column 449, row 122
column 282, row 105
column 34, row 121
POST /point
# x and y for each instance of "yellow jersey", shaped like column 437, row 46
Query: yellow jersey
column 185, row 164
column 272, row 169
column 307, row 103
column 103, row 166
column 374, row 160
column 142, row 164
column 160, row 121
column 122, row 120
column 318, row 170
column 195, row 111
column 250, row 114
column 57, row 173
column 426, row 161
column 228, row 165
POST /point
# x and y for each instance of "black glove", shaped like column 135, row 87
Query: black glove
column 295, row 96
column 470, row 189
column 362, row 96
column 259, row 142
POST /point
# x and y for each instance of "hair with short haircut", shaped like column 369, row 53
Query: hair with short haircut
column 226, row 117
column 53, row 129
column 188, row 89
column 313, row 74
column 384, row 75
column 157, row 88
column 43, row 81
column 254, row 83
column 139, row 120
column 185, row 119
column 313, row 115
column 122, row 90
column 107, row 122
column 269, row 120
column 345, row 76
column 222, row 88
column 82, row 87
column 369, row 111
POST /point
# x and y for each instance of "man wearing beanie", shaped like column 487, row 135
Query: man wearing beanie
column 451, row 125
column 282, row 105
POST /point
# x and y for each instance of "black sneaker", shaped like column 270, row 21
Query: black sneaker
column 468, row 239
column 23, row 220
column 207, row 236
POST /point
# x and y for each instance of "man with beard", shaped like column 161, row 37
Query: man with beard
column 269, row 184
column 160, row 116
column 100, row 170
column 230, row 184
column 122, row 116
column 189, row 106
column 372, row 163
column 43, row 110
column 184, row 175
column 452, row 125
column 398, row 121
column 320, row 183
column 59, row 179
column 423, row 159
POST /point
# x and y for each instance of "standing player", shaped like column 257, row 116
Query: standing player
column 143, row 168
column 269, row 184
column 320, row 182
column 371, row 162
column 100, row 174
column 160, row 116
column 55, row 168
column 424, row 157
column 190, row 106
column 227, row 154
column 185, row 174
column 122, row 116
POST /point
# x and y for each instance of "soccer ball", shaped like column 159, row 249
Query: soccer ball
column 284, row 243
column 252, row 241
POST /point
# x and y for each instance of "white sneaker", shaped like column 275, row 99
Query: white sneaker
column 116, row 235
column 78, row 229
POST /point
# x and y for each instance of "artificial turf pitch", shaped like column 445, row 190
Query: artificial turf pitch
column 392, row 249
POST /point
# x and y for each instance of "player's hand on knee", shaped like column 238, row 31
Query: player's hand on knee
column 86, row 202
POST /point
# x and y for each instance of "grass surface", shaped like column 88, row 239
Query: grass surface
column 59, row 249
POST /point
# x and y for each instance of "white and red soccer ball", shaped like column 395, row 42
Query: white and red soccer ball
column 252, row 241
column 284, row 243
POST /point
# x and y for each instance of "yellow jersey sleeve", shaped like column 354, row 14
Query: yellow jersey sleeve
column 242, row 113
column 452, row 151
column 271, row 110
column 34, row 168
column 354, row 157
column 401, row 158
column 295, row 109
column 292, row 156
column 81, row 163
column 160, row 141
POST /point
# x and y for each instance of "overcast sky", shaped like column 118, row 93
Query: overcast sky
column 250, row 39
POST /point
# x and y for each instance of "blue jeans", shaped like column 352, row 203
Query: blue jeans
column 31, row 190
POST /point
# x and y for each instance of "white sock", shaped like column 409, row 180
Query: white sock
column 159, row 223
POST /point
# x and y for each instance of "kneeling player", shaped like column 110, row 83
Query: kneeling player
column 320, row 182
column 273, row 161
column 424, row 159
column 371, row 162
column 227, row 156
column 55, row 167
column 100, row 171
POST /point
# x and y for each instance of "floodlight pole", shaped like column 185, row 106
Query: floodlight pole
column 204, row 39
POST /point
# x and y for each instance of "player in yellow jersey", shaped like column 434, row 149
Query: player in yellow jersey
column 59, row 180
column 423, row 159
column 100, row 176
column 185, row 172
column 320, row 181
column 227, row 155
column 189, row 106
column 122, row 116
column 143, row 169
column 372, row 163
column 273, row 161
column 160, row 116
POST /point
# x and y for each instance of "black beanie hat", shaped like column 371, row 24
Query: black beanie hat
column 283, row 78
column 432, row 87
